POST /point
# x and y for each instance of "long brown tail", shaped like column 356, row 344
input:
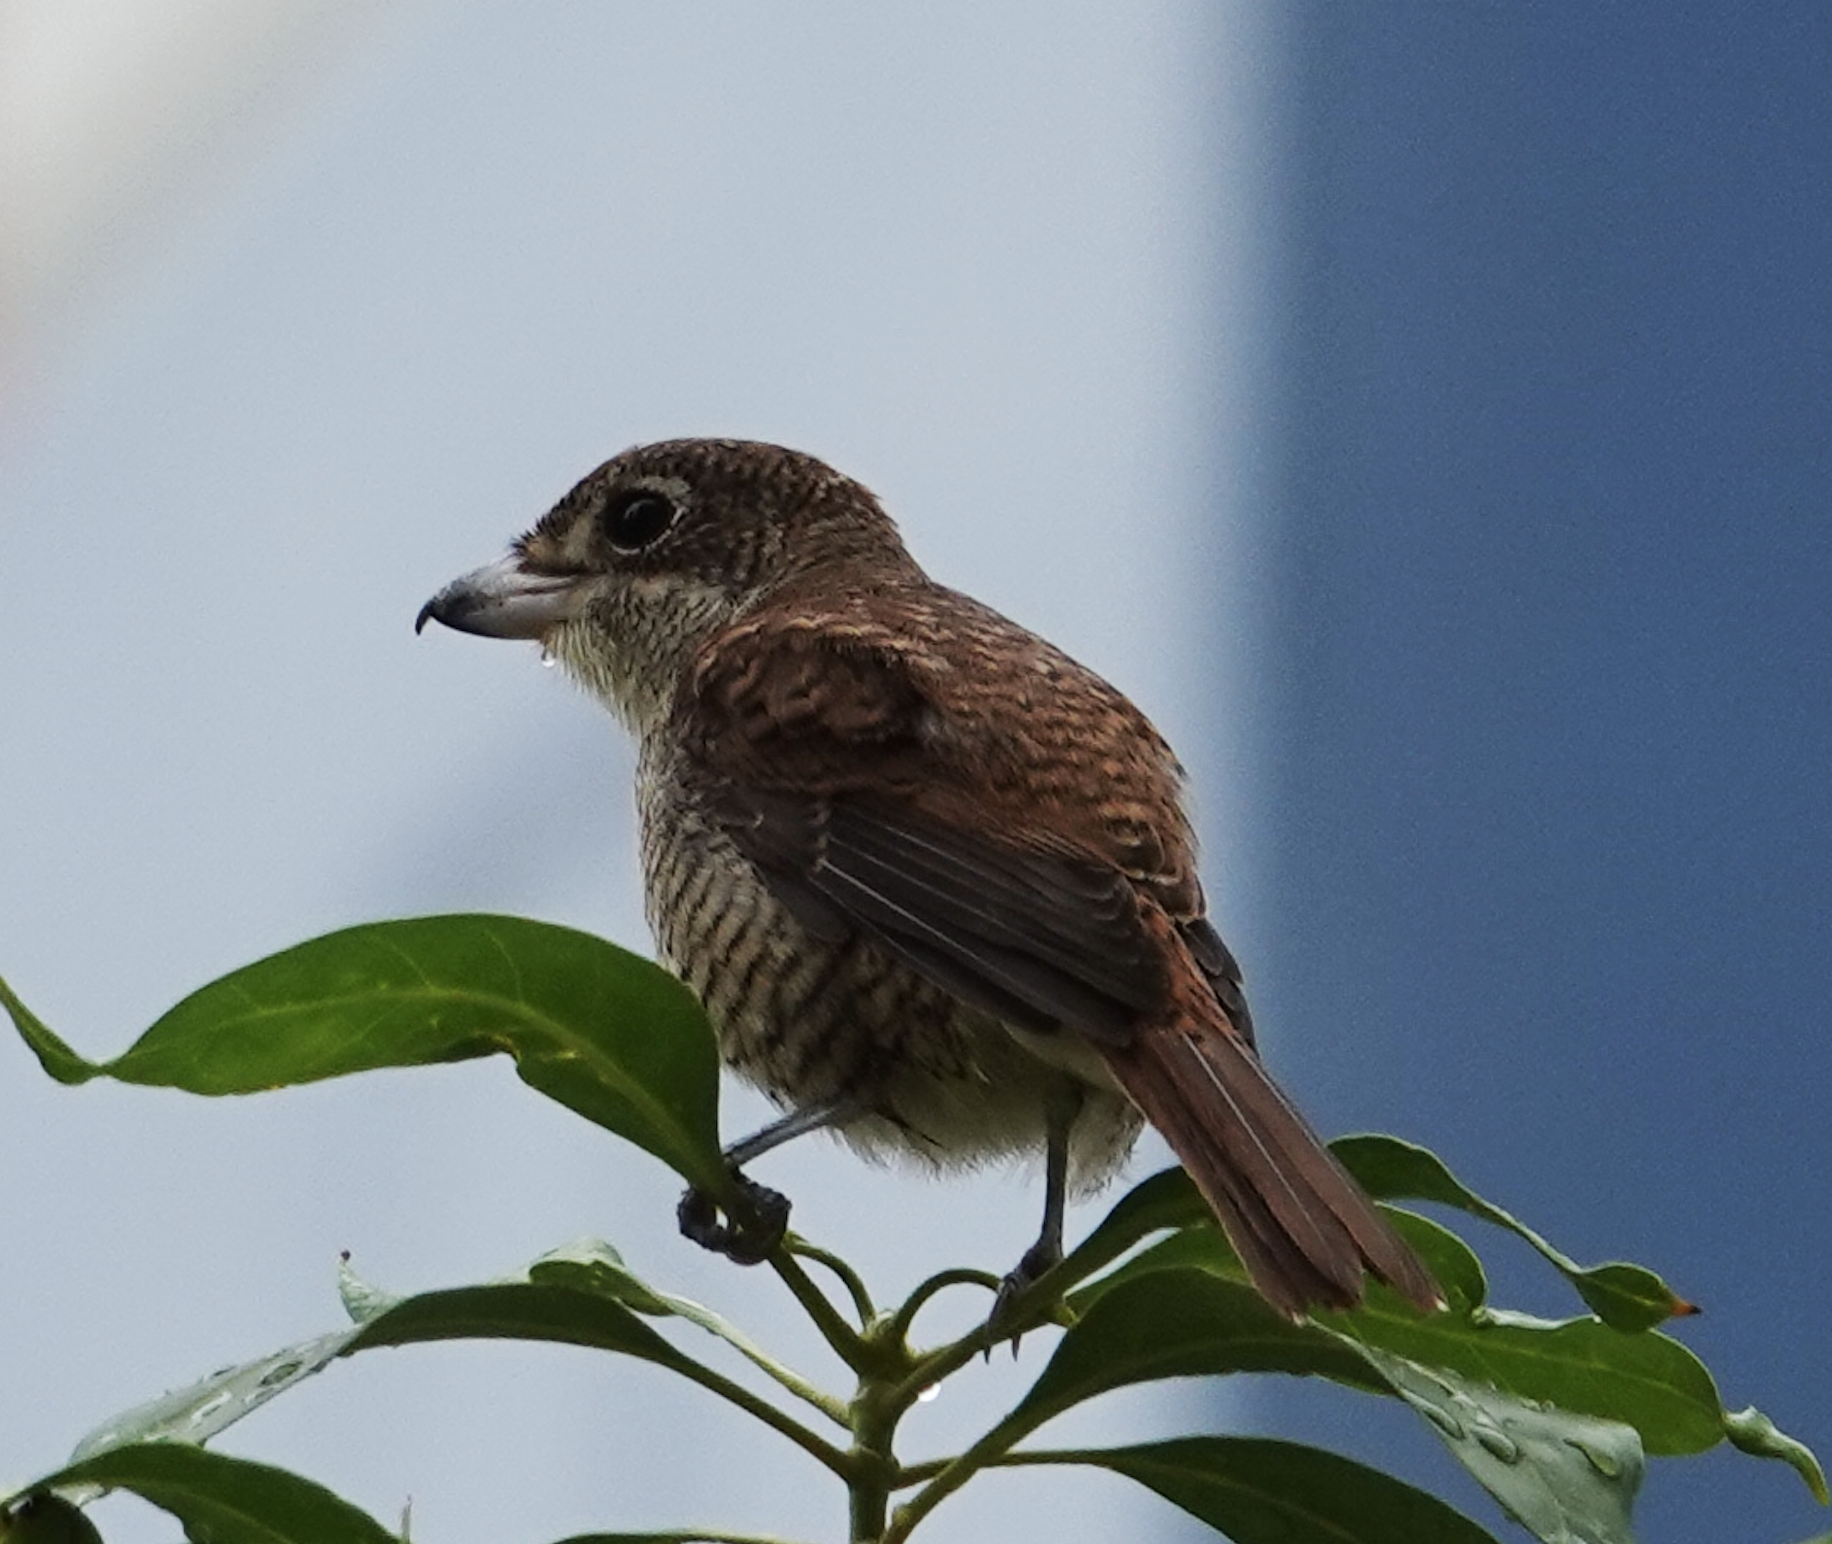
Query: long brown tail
column 1304, row 1229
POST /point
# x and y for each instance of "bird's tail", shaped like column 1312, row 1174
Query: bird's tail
column 1306, row 1232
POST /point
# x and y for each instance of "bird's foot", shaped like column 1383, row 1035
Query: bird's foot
column 755, row 1220
column 1006, row 1319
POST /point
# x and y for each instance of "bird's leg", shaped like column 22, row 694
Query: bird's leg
column 757, row 1217
column 1047, row 1251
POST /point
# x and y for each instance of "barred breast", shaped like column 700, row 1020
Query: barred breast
column 812, row 1021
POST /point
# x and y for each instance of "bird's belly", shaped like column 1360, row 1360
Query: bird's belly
column 813, row 1021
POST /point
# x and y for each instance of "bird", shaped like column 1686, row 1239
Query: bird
column 933, row 881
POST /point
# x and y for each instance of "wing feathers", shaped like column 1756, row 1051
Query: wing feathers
column 1040, row 940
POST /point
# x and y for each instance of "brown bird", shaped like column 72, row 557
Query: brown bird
column 932, row 879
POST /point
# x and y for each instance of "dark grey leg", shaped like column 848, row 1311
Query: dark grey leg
column 1047, row 1251
column 758, row 1216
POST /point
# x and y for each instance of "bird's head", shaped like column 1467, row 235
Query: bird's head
column 661, row 548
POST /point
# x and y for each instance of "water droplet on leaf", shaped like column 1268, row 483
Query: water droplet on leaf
column 1497, row 1443
column 1600, row 1459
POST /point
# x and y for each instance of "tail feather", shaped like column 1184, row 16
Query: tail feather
column 1305, row 1231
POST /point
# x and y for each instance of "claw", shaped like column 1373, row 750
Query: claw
column 1038, row 1259
column 756, row 1221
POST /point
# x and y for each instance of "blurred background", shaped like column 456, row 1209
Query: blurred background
column 1424, row 413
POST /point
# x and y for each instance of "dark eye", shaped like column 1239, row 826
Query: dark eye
column 636, row 519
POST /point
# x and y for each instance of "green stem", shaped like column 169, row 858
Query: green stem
column 849, row 1278
column 874, row 1473
column 1049, row 1456
column 915, row 1474
column 816, row 1447
column 933, row 1366
column 847, row 1343
column 990, row 1449
column 834, row 1409
column 961, row 1276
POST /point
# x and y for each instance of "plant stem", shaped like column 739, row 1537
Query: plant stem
column 990, row 1449
column 847, row 1343
column 961, row 1276
column 834, row 1409
column 817, row 1448
column 941, row 1362
column 862, row 1304
column 874, row 1473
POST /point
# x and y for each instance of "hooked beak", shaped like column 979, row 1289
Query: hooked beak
column 504, row 600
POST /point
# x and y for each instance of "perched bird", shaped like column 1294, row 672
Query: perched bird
column 932, row 879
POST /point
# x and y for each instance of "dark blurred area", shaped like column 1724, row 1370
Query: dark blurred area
column 1552, row 724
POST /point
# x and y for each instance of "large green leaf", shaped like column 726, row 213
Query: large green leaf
column 518, row 1310
column 611, row 1036
column 1556, row 1391
column 1259, row 1491
column 1553, row 1467
column 1564, row 1477
column 1648, row 1381
column 1178, row 1323
column 1641, row 1379
column 1623, row 1296
column 537, row 1309
column 225, row 1500
column 558, row 1310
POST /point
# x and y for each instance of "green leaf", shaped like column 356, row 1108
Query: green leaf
column 518, row 1311
column 362, row 1300
column 197, row 1413
column 46, row 1519
column 592, row 1265
column 672, row 1536
column 594, row 1268
column 609, row 1035
column 226, row 1500
column 1166, row 1199
column 544, row 1310
column 1625, row 1297
column 1259, row 1491
column 1175, row 1323
column 1204, row 1246
column 1154, row 1319
column 53, row 1055
column 1750, row 1431
column 1646, row 1381
column 1562, row 1476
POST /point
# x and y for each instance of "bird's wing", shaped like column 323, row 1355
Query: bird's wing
column 825, row 754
